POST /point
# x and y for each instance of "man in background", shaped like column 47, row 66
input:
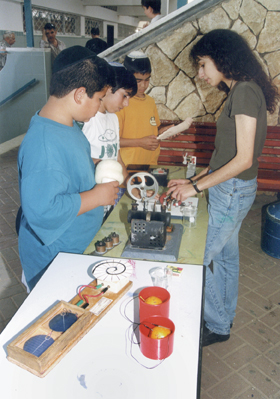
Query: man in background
column 95, row 32
column 49, row 40
column 8, row 40
column 96, row 44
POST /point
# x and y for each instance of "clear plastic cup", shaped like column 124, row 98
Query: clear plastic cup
column 161, row 277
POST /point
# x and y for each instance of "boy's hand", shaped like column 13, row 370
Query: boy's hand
column 107, row 192
column 100, row 195
column 149, row 143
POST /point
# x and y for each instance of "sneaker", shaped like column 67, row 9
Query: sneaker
column 204, row 325
column 209, row 337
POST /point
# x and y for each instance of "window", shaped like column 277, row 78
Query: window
column 93, row 23
column 125, row 31
column 65, row 23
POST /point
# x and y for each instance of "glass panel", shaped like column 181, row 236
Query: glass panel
column 65, row 23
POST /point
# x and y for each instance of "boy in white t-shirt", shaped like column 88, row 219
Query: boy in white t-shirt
column 151, row 9
column 102, row 131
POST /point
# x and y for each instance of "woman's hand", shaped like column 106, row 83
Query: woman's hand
column 181, row 191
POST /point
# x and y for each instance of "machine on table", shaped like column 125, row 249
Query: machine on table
column 152, row 236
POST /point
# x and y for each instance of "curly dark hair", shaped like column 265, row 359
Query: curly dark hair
column 235, row 60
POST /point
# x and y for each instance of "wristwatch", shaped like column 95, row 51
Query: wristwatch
column 194, row 183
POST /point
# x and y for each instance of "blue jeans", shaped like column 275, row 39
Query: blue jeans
column 229, row 203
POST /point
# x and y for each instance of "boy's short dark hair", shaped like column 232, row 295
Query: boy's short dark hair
column 137, row 62
column 77, row 67
column 124, row 79
column 49, row 26
column 95, row 31
column 154, row 4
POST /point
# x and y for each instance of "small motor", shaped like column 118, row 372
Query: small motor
column 148, row 229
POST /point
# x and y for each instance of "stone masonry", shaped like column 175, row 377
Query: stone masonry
column 174, row 85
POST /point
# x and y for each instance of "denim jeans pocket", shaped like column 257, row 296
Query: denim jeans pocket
column 220, row 196
column 250, row 189
column 246, row 198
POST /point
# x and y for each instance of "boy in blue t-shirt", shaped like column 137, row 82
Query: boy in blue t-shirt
column 62, row 207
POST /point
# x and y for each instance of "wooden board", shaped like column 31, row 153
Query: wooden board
column 93, row 301
column 63, row 342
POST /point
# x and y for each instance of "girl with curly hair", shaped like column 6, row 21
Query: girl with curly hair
column 225, row 60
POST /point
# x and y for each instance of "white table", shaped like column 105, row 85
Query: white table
column 100, row 365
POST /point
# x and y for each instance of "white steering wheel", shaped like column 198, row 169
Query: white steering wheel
column 144, row 182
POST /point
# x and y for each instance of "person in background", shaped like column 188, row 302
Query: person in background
column 49, row 40
column 139, row 122
column 8, row 40
column 151, row 9
column 95, row 32
column 231, row 176
column 96, row 44
column 61, row 204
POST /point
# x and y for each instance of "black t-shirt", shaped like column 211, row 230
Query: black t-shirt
column 96, row 45
column 246, row 98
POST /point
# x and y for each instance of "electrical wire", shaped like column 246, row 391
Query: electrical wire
column 83, row 297
column 134, row 327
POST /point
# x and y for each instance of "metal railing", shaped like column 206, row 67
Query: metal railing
column 20, row 91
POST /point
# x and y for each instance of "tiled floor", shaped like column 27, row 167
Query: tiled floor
column 12, row 292
column 246, row 366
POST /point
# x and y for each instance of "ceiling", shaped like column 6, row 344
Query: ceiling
column 122, row 7
column 130, row 8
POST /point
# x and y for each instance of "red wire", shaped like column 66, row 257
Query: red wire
column 83, row 286
column 92, row 296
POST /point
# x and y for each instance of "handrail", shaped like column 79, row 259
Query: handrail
column 20, row 91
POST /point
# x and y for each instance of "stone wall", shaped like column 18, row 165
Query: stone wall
column 174, row 84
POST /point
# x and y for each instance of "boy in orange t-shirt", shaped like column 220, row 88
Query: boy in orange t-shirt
column 139, row 121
